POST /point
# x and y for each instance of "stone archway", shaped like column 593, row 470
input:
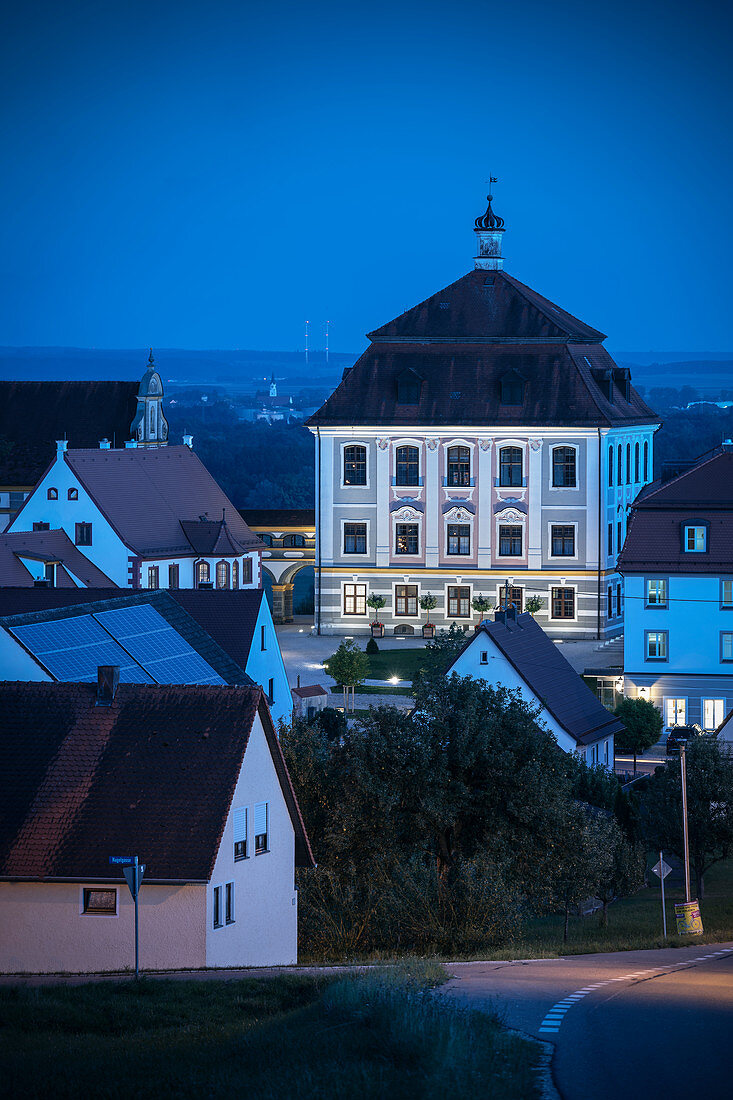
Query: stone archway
column 288, row 589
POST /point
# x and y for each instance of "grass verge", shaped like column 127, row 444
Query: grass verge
column 395, row 662
column 373, row 1035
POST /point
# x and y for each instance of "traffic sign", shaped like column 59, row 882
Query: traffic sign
column 661, row 869
column 133, row 871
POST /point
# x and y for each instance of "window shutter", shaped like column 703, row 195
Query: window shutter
column 240, row 825
column 260, row 818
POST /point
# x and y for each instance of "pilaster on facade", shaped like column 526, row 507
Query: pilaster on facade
column 534, row 504
column 432, row 503
column 383, row 516
column 484, row 524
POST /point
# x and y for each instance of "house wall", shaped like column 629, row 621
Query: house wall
column 264, row 664
column 500, row 671
column 483, row 505
column 43, row 929
column 265, row 929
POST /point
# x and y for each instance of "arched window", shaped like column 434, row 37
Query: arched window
column 52, row 494
column 235, row 574
column 408, row 466
column 355, row 465
column 628, row 464
column 646, row 461
column 202, row 572
column 510, row 466
column 636, row 462
column 563, row 467
column 610, row 465
column 619, row 465
column 294, row 540
column 72, row 494
column 152, row 419
column 459, row 466
column 222, row 574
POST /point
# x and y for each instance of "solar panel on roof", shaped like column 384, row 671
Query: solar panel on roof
column 73, row 648
column 157, row 646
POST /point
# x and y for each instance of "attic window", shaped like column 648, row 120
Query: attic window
column 512, row 389
column 52, row 494
column 489, row 280
column 456, row 395
column 604, row 378
column 408, row 388
column 445, row 305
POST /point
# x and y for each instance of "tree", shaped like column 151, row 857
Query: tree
column 482, row 604
column 441, row 651
column 376, row 602
column 643, row 724
column 428, row 603
column 623, row 874
column 349, row 667
column 582, row 855
column 533, row 604
column 709, row 807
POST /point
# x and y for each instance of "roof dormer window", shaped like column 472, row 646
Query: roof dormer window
column 695, row 539
column 408, row 388
column 512, row 388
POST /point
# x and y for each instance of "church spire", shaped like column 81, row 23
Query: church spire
column 273, row 386
column 489, row 228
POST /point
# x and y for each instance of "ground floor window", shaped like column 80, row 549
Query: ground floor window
column 675, row 712
column 563, row 603
column 511, row 596
column 100, row 902
column 459, row 602
column 354, row 599
column 713, row 713
column 217, row 907
column 229, row 903
column 406, row 599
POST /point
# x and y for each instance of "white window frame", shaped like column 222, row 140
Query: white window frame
column 105, row 888
column 726, row 634
column 355, row 443
column 523, row 445
column 498, row 524
column 707, row 699
column 415, row 517
column 564, row 488
column 562, row 557
column 656, row 606
column 229, row 891
column 647, row 634
column 451, row 517
column 409, row 442
column 458, row 618
column 406, row 618
column 356, row 557
column 347, row 615
column 726, row 606
column 220, row 888
column 675, row 700
column 237, row 831
column 255, row 834
column 472, row 472
column 697, row 549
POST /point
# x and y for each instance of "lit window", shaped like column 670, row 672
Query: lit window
column 675, row 711
column 406, row 538
column 563, row 541
column 406, row 599
column 459, row 538
column 656, row 592
column 153, row 576
column 695, row 540
column 510, row 541
column 222, row 574
column 459, row 602
column 726, row 646
column 656, row 645
column 261, row 827
column 510, row 466
column 354, row 599
column 408, row 466
column 713, row 713
column 563, row 603
column 355, row 538
column 726, row 593
column 202, row 572
column 355, row 465
column 563, row 467
column 101, row 903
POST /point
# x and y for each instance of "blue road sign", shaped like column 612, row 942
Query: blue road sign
column 122, row 861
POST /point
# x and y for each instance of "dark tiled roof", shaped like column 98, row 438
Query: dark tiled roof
column 153, row 774
column 19, row 606
column 147, row 493
column 228, row 616
column 211, row 537
column 654, row 538
column 550, row 677
column 278, row 518
column 33, row 415
column 47, row 546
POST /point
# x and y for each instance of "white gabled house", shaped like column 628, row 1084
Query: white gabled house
column 514, row 652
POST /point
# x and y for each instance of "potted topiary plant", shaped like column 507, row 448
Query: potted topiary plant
column 427, row 603
column 482, row 604
column 376, row 603
column 533, row 604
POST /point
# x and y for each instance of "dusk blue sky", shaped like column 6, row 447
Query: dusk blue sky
column 211, row 175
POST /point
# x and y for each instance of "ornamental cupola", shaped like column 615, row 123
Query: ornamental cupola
column 150, row 427
column 489, row 229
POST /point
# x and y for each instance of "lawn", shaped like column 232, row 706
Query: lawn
column 395, row 662
column 379, row 1034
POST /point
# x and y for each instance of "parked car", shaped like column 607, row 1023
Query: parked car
column 678, row 734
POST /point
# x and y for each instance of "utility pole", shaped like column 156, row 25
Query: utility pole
column 683, row 775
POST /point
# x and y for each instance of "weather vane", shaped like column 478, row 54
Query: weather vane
column 490, row 180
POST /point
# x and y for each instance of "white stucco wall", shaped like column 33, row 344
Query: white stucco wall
column 265, row 930
column 268, row 663
column 15, row 663
column 43, row 930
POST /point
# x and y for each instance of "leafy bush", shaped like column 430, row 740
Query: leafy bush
column 372, row 647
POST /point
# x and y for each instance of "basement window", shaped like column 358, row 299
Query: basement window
column 100, row 903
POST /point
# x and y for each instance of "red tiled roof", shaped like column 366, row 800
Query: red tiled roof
column 551, row 678
column 33, row 415
column 310, row 691
column 153, row 774
column 47, row 546
column 148, row 493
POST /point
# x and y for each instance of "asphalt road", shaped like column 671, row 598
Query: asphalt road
column 625, row 1025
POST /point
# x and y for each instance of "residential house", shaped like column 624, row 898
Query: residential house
column 145, row 517
column 33, row 415
column 190, row 779
column 174, row 636
column 677, row 563
column 515, row 652
column 485, row 435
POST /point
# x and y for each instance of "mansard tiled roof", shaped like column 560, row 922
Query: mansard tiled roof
column 153, row 774
column 47, row 546
column 462, row 341
column 654, row 537
column 33, row 415
column 550, row 677
column 147, row 494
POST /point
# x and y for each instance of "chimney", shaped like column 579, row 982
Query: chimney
column 131, row 443
column 41, row 582
column 104, row 445
column 188, row 441
column 108, row 677
column 61, row 446
column 727, row 445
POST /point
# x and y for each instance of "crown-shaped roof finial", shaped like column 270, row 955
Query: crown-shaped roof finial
column 489, row 220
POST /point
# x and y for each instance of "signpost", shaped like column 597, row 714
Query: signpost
column 662, row 869
column 133, row 871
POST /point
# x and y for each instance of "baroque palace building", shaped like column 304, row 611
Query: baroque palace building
column 484, row 442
